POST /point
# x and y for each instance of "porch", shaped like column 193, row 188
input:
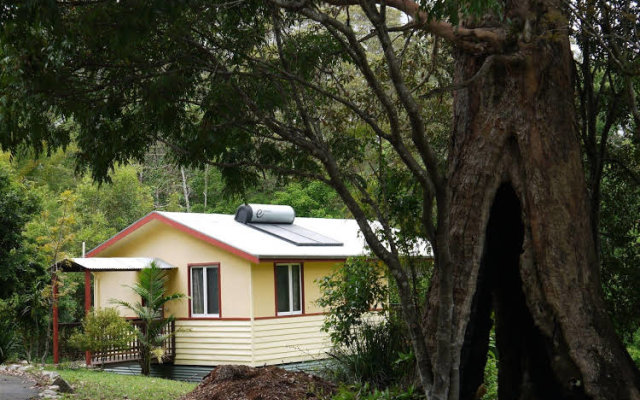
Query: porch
column 62, row 331
column 114, row 355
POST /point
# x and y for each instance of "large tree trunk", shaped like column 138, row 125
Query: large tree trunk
column 520, row 233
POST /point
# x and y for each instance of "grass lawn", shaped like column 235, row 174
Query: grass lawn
column 98, row 385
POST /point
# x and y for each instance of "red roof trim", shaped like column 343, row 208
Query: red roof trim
column 155, row 216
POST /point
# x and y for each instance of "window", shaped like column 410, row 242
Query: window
column 205, row 291
column 289, row 289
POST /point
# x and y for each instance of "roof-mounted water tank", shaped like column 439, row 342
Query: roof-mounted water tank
column 277, row 221
column 265, row 213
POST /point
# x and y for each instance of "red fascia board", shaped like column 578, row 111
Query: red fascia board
column 192, row 232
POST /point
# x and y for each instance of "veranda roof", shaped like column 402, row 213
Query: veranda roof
column 111, row 264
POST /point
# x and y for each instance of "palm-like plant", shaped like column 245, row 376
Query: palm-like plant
column 151, row 289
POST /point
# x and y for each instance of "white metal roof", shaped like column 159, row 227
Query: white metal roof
column 225, row 229
column 113, row 263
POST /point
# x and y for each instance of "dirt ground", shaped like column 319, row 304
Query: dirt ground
column 232, row 382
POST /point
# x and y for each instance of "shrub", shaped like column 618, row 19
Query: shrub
column 364, row 392
column 633, row 347
column 368, row 348
column 102, row 330
column 8, row 340
column 349, row 294
column 378, row 354
column 491, row 378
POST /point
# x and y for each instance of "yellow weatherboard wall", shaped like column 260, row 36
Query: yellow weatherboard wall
column 285, row 340
column 209, row 342
column 157, row 239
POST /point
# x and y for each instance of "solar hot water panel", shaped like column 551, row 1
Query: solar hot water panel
column 296, row 234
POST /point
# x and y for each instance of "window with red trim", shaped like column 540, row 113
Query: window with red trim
column 205, row 291
column 288, row 289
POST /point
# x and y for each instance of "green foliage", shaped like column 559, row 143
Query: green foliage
column 117, row 204
column 455, row 10
column 349, row 294
column 17, row 205
column 620, row 237
column 318, row 48
column 52, row 233
column 30, row 314
column 54, row 171
column 365, row 392
column 633, row 347
column 490, row 383
column 368, row 347
column 378, row 354
column 151, row 289
column 8, row 339
column 309, row 199
column 201, row 77
column 102, row 330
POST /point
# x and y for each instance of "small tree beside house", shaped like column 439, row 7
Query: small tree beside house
column 103, row 330
column 151, row 289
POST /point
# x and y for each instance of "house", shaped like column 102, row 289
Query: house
column 250, row 279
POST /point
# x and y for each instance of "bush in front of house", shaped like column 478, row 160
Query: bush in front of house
column 370, row 348
column 379, row 355
column 349, row 294
column 103, row 330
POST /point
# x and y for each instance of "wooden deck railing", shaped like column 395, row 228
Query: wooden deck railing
column 131, row 352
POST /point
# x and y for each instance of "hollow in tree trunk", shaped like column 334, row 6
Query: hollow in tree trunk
column 522, row 252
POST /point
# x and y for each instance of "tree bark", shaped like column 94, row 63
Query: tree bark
column 205, row 192
column 522, row 249
column 185, row 189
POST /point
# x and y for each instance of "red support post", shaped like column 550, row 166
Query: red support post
column 54, row 285
column 87, row 305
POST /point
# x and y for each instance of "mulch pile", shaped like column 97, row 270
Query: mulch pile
column 239, row 382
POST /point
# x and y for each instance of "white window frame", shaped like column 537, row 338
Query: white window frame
column 290, row 282
column 205, row 294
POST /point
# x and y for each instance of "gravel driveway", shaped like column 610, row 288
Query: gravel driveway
column 16, row 388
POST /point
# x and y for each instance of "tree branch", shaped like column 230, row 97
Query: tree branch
column 476, row 40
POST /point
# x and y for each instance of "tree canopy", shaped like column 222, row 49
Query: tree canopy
column 352, row 94
column 17, row 206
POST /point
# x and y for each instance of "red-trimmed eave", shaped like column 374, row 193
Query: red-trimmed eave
column 155, row 216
